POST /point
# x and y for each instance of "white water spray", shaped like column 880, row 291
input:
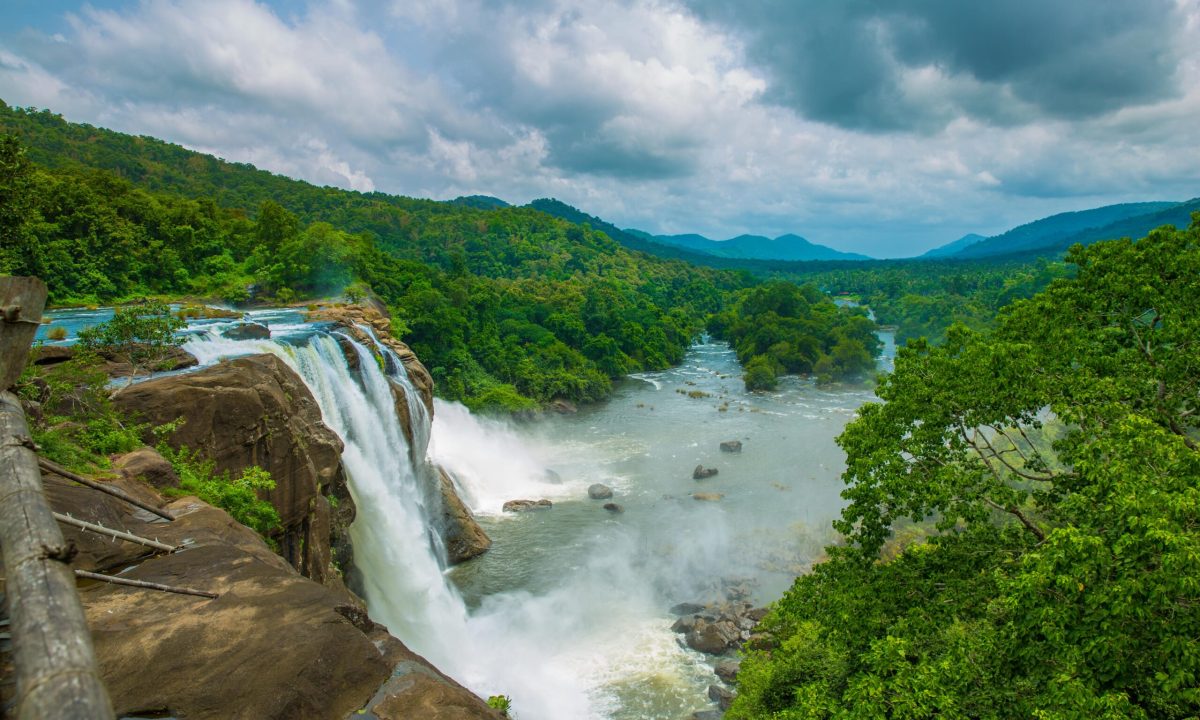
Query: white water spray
column 500, row 652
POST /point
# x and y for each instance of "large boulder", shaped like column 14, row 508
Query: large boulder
column 727, row 670
column 272, row 645
column 247, row 331
column 722, row 696
column 599, row 491
column 713, row 637
column 148, row 465
column 461, row 534
column 255, row 410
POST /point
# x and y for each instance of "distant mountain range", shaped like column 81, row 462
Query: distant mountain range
column 743, row 247
column 953, row 247
column 754, row 247
column 1052, row 235
column 1049, row 236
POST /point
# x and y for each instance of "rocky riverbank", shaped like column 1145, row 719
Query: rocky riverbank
column 720, row 628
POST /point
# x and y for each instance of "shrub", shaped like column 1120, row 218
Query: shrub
column 238, row 497
column 760, row 374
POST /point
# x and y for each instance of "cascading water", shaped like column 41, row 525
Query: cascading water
column 403, row 578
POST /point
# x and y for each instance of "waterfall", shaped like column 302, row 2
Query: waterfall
column 510, row 647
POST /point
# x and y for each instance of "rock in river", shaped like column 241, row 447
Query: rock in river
column 713, row 638
column 727, row 670
column 599, row 491
column 525, row 505
column 721, row 696
column 248, row 331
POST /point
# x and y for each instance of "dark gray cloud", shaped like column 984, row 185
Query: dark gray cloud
column 892, row 64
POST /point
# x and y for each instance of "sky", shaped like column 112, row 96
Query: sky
column 885, row 127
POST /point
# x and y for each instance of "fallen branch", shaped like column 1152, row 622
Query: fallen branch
column 119, row 534
column 115, row 492
column 143, row 584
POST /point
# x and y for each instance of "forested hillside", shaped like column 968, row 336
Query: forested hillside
column 509, row 307
column 1052, row 464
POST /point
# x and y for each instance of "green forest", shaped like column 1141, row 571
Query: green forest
column 1033, row 490
column 509, row 307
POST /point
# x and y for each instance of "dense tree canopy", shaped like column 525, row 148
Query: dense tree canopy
column 1056, row 458
column 781, row 328
column 509, row 307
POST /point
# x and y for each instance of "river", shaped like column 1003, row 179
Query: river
column 568, row 612
column 590, row 589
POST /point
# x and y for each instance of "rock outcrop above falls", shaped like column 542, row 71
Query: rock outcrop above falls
column 256, row 411
column 353, row 318
column 273, row 645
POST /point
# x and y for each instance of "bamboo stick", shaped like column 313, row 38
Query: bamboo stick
column 119, row 534
column 116, row 492
column 143, row 584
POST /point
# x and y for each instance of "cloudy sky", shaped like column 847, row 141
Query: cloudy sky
column 878, row 126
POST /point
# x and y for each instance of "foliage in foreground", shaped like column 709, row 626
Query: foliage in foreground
column 1058, row 456
column 76, row 424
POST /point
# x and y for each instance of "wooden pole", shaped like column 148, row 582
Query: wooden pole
column 57, row 677
column 116, row 492
column 110, row 532
column 143, row 584
column 56, row 671
column 21, row 303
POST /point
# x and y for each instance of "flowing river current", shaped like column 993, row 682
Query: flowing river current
column 568, row 612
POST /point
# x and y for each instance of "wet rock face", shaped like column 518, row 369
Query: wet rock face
column 461, row 534
column 256, row 411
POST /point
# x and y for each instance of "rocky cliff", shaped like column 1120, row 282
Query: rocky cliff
column 272, row 645
column 255, row 411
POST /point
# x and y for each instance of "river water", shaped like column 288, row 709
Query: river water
column 568, row 612
column 590, row 589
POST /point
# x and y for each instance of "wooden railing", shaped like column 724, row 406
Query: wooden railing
column 57, row 676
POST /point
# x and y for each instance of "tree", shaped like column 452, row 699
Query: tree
column 142, row 335
column 1054, row 461
column 15, row 203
